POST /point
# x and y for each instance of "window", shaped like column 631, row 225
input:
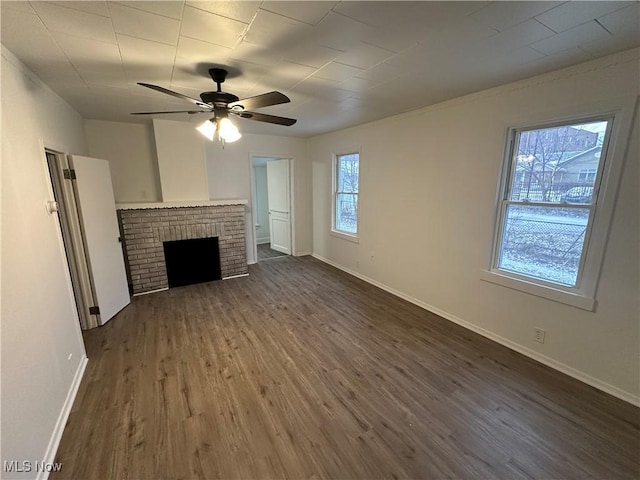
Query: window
column 548, row 202
column 587, row 175
column 345, row 198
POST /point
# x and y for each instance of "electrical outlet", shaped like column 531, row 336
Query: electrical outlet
column 539, row 335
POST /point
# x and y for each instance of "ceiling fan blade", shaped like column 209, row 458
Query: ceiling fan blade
column 261, row 117
column 190, row 112
column 175, row 94
column 260, row 101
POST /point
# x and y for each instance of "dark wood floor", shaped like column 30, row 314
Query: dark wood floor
column 265, row 252
column 301, row 371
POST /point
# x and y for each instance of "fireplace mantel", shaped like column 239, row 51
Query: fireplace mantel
column 192, row 203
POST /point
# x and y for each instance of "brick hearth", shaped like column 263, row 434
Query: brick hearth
column 144, row 230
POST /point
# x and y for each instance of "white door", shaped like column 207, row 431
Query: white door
column 279, row 200
column 97, row 212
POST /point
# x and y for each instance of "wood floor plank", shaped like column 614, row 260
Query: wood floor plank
column 302, row 371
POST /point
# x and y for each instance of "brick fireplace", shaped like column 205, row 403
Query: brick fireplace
column 145, row 227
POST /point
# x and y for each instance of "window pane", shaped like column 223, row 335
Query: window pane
column 558, row 164
column 348, row 173
column 544, row 242
column 347, row 212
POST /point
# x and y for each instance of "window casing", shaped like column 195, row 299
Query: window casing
column 553, row 177
column 346, row 179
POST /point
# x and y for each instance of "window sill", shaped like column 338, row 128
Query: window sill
column 345, row 236
column 577, row 300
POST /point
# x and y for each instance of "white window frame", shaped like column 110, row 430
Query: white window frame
column 607, row 182
column 352, row 237
column 587, row 172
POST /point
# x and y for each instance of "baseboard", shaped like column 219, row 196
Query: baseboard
column 548, row 361
column 56, row 436
column 151, row 291
column 261, row 241
column 302, row 254
column 236, row 276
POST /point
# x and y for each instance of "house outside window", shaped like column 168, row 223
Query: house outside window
column 553, row 176
column 345, row 198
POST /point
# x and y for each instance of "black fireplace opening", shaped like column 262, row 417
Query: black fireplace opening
column 192, row 261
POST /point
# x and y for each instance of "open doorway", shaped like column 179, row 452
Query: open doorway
column 272, row 217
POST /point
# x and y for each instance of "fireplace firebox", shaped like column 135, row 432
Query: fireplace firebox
column 196, row 260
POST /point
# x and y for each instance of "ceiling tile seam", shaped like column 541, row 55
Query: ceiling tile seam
column 294, row 19
column 44, row 25
column 62, row 5
column 180, row 34
column 129, row 5
column 219, row 14
column 565, row 31
column 353, row 19
column 605, row 28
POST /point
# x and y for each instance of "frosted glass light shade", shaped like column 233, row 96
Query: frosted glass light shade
column 228, row 131
column 208, row 129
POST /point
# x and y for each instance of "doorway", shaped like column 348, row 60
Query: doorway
column 272, row 212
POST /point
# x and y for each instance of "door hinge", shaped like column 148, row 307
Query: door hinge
column 69, row 174
column 94, row 310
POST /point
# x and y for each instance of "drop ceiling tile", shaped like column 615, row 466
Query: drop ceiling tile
column 258, row 54
column 341, row 33
column 75, row 22
column 146, row 61
column 27, row 38
column 311, row 13
column 356, row 85
column 572, row 14
column 200, row 51
column 395, row 39
column 525, row 33
column 622, row 40
column 309, row 53
column 504, row 15
column 384, row 13
column 275, row 31
column 137, row 23
column 625, row 20
column 585, row 33
column 286, row 75
column 337, row 72
column 20, row 6
column 364, row 56
column 212, row 28
column 97, row 8
column 457, row 34
column 320, row 89
column 166, row 8
column 80, row 48
column 380, row 73
column 236, row 10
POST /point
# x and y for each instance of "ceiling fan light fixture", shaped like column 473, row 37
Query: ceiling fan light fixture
column 208, row 128
column 227, row 131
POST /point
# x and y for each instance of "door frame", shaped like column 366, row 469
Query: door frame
column 70, row 237
column 292, row 221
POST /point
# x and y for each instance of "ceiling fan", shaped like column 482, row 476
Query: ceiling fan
column 223, row 105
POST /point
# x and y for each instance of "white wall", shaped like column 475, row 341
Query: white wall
column 261, row 204
column 40, row 328
column 229, row 172
column 181, row 163
column 427, row 207
column 130, row 149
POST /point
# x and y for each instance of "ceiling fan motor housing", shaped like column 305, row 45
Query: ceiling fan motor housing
column 218, row 99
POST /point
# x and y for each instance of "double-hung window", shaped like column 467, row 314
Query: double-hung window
column 345, row 194
column 553, row 176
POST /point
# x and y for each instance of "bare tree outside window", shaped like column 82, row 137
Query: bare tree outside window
column 548, row 201
column 346, row 193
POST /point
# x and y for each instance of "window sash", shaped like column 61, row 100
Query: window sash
column 338, row 193
column 505, row 200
